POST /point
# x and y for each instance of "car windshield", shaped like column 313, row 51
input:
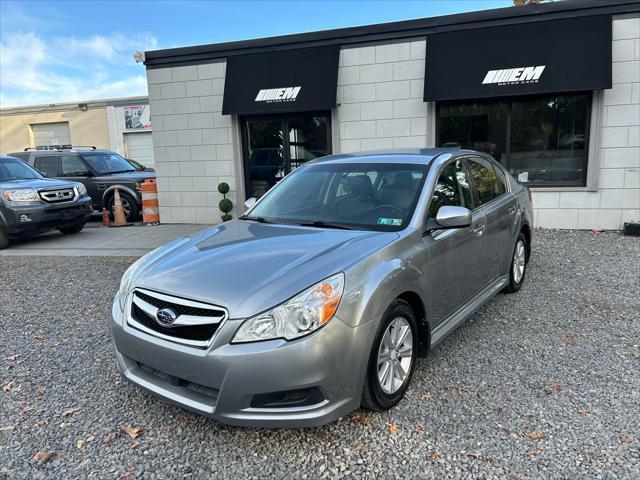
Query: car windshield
column 103, row 163
column 14, row 169
column 359, row 196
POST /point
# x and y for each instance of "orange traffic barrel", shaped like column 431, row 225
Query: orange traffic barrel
column 150, row 210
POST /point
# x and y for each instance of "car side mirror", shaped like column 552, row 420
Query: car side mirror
column 83, row 173
column 450, row 217
column 250, row 202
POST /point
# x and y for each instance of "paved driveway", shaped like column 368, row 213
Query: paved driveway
column 542, row 384
column 94, row 240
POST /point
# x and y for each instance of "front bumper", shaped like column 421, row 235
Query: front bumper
column 31, row 219
column 221, row 381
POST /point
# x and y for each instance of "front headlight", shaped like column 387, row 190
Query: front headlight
column 22, row 195
column 129, row 274
column 299, row 316
column 82, row 190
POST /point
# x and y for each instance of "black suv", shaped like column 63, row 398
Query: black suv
column 101, row 171
column 31, row 204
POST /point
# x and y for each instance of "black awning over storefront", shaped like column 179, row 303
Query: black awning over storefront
column 565, row 55
column 301, row 79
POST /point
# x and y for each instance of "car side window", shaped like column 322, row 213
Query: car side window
column 485, row 180
column 49, row 165
column 73, row 166
column 451, row 189
column 502, row 180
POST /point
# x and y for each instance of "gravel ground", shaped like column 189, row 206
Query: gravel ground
column 545, row 383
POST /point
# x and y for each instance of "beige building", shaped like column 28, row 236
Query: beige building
column 122, row 125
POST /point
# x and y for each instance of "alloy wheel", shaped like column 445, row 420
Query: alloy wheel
column 395, row 356
column 519, row 261
column 125, row 206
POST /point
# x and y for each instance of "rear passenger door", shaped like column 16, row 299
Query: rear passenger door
column 499, row 207
column 49, row 165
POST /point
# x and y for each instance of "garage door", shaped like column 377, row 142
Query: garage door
column 140, row 147
column 45, row 134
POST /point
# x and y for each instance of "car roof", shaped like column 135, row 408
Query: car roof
column 64, row 150
column 420, row 156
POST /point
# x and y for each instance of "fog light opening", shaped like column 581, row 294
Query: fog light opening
column 288, row 399
column 25, row 218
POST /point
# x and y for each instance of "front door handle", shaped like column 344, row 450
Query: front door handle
column 512, row 210
column 479, row 230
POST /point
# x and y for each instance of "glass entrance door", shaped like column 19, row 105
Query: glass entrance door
column 276, row 145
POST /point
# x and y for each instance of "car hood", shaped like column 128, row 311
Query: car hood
column 38, row 183
column 249, row 267
column 132, row 176
column 137, row 176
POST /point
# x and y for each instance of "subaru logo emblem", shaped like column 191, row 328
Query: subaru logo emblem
column 166, row 316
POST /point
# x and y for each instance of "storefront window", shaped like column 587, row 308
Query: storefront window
column 277, row 145
column 478, row 126
column 541, row 140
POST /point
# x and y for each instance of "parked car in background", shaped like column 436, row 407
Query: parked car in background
column 101, row 172
column 31, row 204
column 321, row 297
column 139, row 167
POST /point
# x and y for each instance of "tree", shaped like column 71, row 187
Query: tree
column 522, row 3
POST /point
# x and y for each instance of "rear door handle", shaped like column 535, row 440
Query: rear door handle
column 479, row 230
column 512, row 210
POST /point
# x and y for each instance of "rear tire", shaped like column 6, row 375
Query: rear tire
column 72, row 229
column 394, row 354
column 518, row 267
column 4, row 239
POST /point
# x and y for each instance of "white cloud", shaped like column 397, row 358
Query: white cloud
column 36, row 71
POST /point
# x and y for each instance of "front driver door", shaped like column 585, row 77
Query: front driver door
column 453, row 270
column 74, row 169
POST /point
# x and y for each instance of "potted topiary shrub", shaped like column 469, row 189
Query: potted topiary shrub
column 225, row 204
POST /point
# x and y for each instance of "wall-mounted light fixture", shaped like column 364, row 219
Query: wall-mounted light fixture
column 83, row 107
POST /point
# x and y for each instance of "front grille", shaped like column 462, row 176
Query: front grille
column 56, row 196
column 181, row 309
column 195, row 324
column 197, row 332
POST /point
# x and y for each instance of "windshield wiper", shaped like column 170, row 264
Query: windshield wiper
column 119, row 171
column 323, row 224
column 255, row 219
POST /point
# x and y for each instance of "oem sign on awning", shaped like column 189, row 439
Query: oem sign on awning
column 295, row 80
column 523, row 59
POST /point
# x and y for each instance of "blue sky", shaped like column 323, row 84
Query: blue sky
column 58, row 51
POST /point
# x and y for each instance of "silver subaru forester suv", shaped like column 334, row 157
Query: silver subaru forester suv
column 322, row 296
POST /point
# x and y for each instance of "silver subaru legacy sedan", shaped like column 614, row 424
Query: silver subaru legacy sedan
column 323, row 295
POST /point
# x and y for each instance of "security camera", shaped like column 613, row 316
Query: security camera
column 138, row 56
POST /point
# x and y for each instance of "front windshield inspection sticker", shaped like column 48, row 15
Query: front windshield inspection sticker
column 389, row 221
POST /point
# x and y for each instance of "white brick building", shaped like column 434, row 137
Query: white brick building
column 577, row 145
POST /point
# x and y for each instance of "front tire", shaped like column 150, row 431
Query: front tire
column 392, row 359
column 129, row 204
column 518, row 266
column 4, row 239
column 72, row 229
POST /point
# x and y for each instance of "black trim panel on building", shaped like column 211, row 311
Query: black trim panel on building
column 295, row 80
column 542, row 57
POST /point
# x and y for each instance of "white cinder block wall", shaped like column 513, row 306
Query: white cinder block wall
column 380, row 91
column 617, row 198
column 192, row 142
